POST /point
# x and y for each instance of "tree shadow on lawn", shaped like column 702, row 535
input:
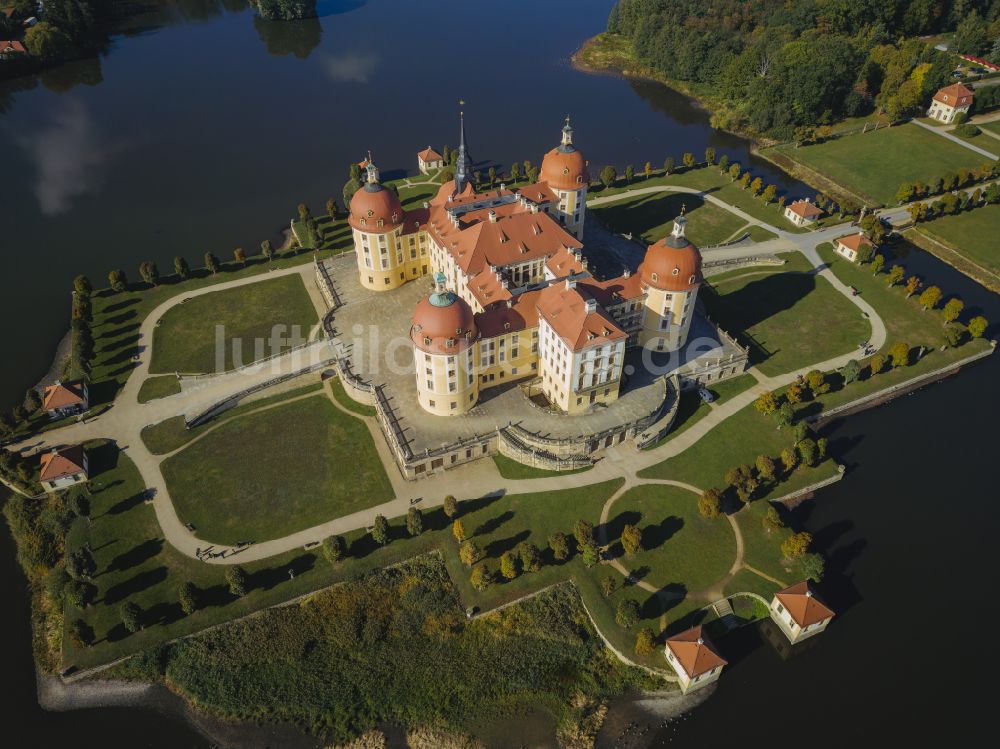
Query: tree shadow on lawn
column 127, row 504
column 120, row 320
column 612, row 529
column 269, row 577
column 135, row 556
column 758, row 300
column 493, row 524
column 101, row 459
column 135, row 584
column 643, row 214
column 495, row 549
column 654, row 536
column 117, row 306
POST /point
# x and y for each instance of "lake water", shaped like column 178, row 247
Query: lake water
column 203, row 128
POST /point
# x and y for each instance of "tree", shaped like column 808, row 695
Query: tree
column 267, row 250
column 896, row 273
column 80, row 593
column 756, row 186
column 608, row 176
column 532, row 174
column 80, row 504
column 211, row 263
column 647, row 170
column 878, row 263
column 334, row 549
column 450, row 506
column 590, row 554
column 930, row 297
column 48, row 42
column 954, row 335
column 81, row 564
column 813, row 567
column 817, row 382
column 508, row 565
column 33, row 400
column 491, row 175
column 629, row 174
column 970, row 35
column 117, row 280
column 236, row 579
column 627, row 613
column 82, row 286
column 631, row 539
column 743, row 480
column 559, row 545
column 734, row 171
column 807, row 451
column 688, row 159
column 644, row 643
column 530, row 556
column 351, row 187
column 481, row 577
column 905, row 193
column 240, row 256
column 303, row 212
column 952, row 309
column 745, row 180
column 766, row 403
column 583, row 532
column 795, row 393
column 710, row 503
column 876, row 364
column 669, row 165
column 769, row 194
column 789, row 459
column 821, row 445
column 723, row 163
column 977, row 326
column 380, row 530
column 766, row 467
column 772, row 519
column 331, row 208
column 515, row 171
column 608, row 585
column 912, row 286
column 470, row 552
column 796, row 545
column 81, row 633
column 785, row 415
column 458, row 530
column 188, row 597
column 709, row 156
column 414, row 522
column 131, row 615
column 900, row 354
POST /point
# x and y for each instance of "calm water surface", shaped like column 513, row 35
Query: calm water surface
column 202, row 129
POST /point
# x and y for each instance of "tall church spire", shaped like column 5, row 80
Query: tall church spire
column 462, row 164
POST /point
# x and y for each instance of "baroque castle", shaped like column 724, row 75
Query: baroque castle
column 513, row 299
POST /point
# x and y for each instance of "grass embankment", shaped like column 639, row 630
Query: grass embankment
column 511, row 469
column 650, row 218
column 170, row 434
column 275, row 472
column 790, row 318
column 693, row 409
column 158, row 387
column 967, row 241
column 874, row 164
column 396, row 648
column 993, row 127
column 337, row 390
column 259, row 320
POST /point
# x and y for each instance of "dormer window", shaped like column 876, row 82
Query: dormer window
column 380, row 223
column 451, row 342
column 579, row 178
column 653, row 276
column 565, row 170
column 427, row 340
column 458, row 331
column 691, row 280
column 395, row 217
column 371, row 213
column 677, row 271
column 364, row 222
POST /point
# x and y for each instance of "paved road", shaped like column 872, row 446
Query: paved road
column 123, row 423
column 956, row 139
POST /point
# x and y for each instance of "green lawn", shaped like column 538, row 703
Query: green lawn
column 973, row 233
column 511, row 469
column 185, row 338
column 158, row 387
column 762, row 547
column 993, row 127
column 650, row 217
column 337, row 388
column 275, row 472
column 789, row 319
column 746, row 581
column 682, row 551
column 693, row 409
column 874, row 164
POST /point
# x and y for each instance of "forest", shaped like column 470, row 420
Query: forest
column 773, row 66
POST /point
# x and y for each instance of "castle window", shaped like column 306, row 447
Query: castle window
column 676, row 271
column 565, row 170
column 371, row 213
column 451, row 342
column 691, row 280
column 654, row 277
column 364, row 222
column 427, row 340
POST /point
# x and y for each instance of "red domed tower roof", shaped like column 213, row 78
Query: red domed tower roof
column 564, row 167
column 673, row 263
column 442, row 322
column 375, row 208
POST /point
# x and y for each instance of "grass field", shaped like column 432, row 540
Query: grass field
column 337, row 388
column 693, row 409
column 185, row 338
column 993, row 127
column 158, row 387
column 275, row 472
column 789, row 319
column 973, row 233
column 650, row 217
column 874, row 164
column 682, row 551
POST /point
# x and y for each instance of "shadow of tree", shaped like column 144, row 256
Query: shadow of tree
column 135, row 584
column 269, row 577
column 493, row 523
column 127, row 504
column 612, row 530
column 495, row 549
column 654, row 536
column 135, row 556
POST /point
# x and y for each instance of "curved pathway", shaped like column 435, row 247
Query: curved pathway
column 124, row 421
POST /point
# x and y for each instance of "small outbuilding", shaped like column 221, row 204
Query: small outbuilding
column 799, row 613
column 949, row 101
column 61, row 469
column 802, row 212
column 852, row 246
column 694, row 659
column 429, row 160
column 11, row 48
column 66, row 398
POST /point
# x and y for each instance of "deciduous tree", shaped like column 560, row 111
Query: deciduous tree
column 977, row 326
column 608, row 585
column 766, row 403
column 930, row 297
column 766, row 467
column 709, row 156
column 236, row 579
column 414, row 521
column 82, row 286
column 688, row 159
column 772, row 519
column 631, row 539
column 807, row 451
column 187, row 595
column 117, row 280
column 334, row 549
column 267, row 250
column 710, row 503
column 131, row 615
column 813, row 567
column 627, row 613
column 530, row 556
column 481, row 577
column 211, row 263
column 450, row 507
column 629, row 174
column 583, row 532
column 470, row 552
column 900, row 354
column 952, row 309
column 508, row 565
column 796, row 545
column 458, row 530
column 789, row 459
column 669, row 164
column 559, row 544
column 240, row 256
column 380, row 530
column 608, row 176
column 896, row 273
column 644, row 643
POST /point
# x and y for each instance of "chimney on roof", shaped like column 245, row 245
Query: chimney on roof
column 809, row 593
column 493, row 216
column 627, row 273
column 504, row 283
column 591, row 306
column 570, row 283
column 510, row 303
column 503, row 187
column 426, row 204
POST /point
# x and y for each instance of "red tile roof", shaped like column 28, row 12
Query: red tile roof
column 805, row 209
column 62, row 394
column 804, row 608
column 429, row 154
column 694, row 652
column 60, row 463
column 12, row 45
column 955, row 95
column 521, row 315
column 539, row 193
column 564, row 308
column 855, row 241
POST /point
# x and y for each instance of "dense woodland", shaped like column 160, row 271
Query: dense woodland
column 775, row 65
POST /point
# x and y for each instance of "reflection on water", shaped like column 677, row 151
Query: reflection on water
column 355, row 67
column 298, row 38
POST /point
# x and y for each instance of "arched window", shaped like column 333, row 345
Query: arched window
column 654, row 277
column 380, row 223
column 677, row 271
column 565, row 170
column 692, row 279
column 364, row 222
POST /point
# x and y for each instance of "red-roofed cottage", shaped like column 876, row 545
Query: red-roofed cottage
column 802, row 212
column 694, row 659
column 949, row 101
column 66, row 398
column 798, row 612
column 63, row 468
column 428, row 160
column 852, row 245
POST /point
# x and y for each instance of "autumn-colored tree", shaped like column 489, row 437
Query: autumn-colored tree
column 709, row 156
column 743, row 480
column 647, row 169
column 644, row 642
column 745, row 180
column 772, row 519
column 583, row 532
column 766, row 403
column 559, row 544
column 912, row 286
column 627, row 613
column 795, row 393
column 789, row 459
column 240, row 256
column 769, row 194
column 756, row 186
column 817, row 382
column 876, row 364
column 734, row 171
column 900, row 354
column 766, row 467
column 669, row 164
column 710, row 503
column 952, row 309
column 977, row 326
column 930, row 297
column 796, row 545
column 470, row 552
column 608, row 585
column 267, row 249
column 631, row 539
column 807, row 451
column 458, row 530
column 117, row 280
column 530, row 556
column 211, row 263
column 481, row 577
column 896, row 273
column 688, row 159
column 508, row 565
column 303, row 212
column 450, row 506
